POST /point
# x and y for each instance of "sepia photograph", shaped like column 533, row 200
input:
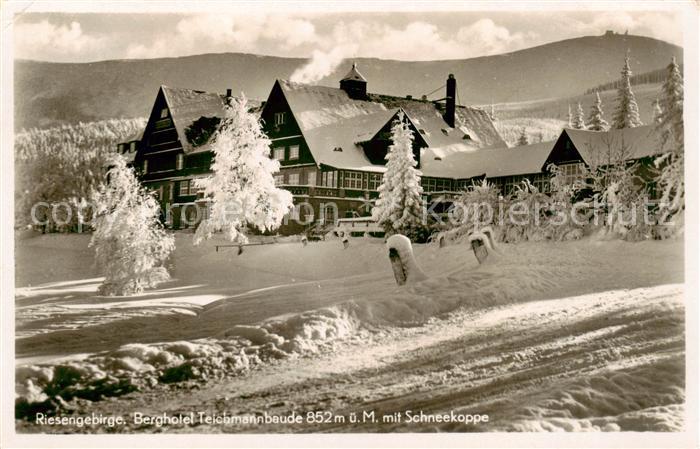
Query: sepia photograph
column 408, row 220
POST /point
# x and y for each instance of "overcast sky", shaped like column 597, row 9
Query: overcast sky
column 407, row 36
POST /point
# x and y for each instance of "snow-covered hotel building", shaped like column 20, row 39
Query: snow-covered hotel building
column 331, row 144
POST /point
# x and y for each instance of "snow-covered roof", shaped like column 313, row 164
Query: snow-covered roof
column 462, row 161
column 188, row 105
column 354, row 74
column 633, row 143
column 334, row 124
column 473, row 125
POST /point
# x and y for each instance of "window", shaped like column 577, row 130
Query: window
column 572, row 172
column 443, row 185
column 280, row 118
column 375, row 180
column 330, row 213
column 278, row 153
column 179, row 159
column 429, row 184
column 279, row 180
column 163, row 123
column 120, row 148
column 132, row 147
column 145, row 166
column 352, row 180
column 329, row 178
column 164, row 113
column 294, row 152
column 541, row 181
column 185, row 187
column 311, row 178
column 293, row 179
column 195, row 190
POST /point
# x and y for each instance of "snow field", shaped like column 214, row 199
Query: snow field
column 307, row 316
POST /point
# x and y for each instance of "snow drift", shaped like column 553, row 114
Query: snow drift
column 453, row 280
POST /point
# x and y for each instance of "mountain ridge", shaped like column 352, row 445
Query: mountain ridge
column 52, row 93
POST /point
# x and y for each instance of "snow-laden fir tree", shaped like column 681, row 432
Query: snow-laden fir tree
column 522, row 139
column 242, row 187
column 656, row 111
column 627, row 113
column 596, row 122
column 399, row 206
column 578, row 118
column 672, row 163
column 570, row 119
column 130, row 243
column 671, row 118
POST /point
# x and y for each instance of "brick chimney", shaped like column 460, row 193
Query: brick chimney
column 450, row 100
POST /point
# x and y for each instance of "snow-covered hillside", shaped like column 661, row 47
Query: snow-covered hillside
column 322, row 327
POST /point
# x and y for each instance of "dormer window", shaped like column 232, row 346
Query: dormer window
column 280, row 118
column 445, row 131
column 338, row 149
column 179, row 161
column 164, row 113
column 422, row 131
column 466, row 137
column 120, row 148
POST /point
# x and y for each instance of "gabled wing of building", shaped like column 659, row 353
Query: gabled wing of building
column 473, row 126
column 630, row 143
column 333, row 124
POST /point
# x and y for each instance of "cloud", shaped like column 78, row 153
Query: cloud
column 290, row 32
column 485, row 37
column 418, row 40
column 39, row 39
column 225, row 32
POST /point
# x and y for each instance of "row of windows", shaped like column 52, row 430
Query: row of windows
column 188, row 187
column 329, row 179
column 351, row 180
column 436, row 184
column 278, row 153
column 179, row 163
column 294, row 179
column 572, row 172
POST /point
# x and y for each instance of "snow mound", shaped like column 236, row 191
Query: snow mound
column 367, row 307
column 642, row 398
